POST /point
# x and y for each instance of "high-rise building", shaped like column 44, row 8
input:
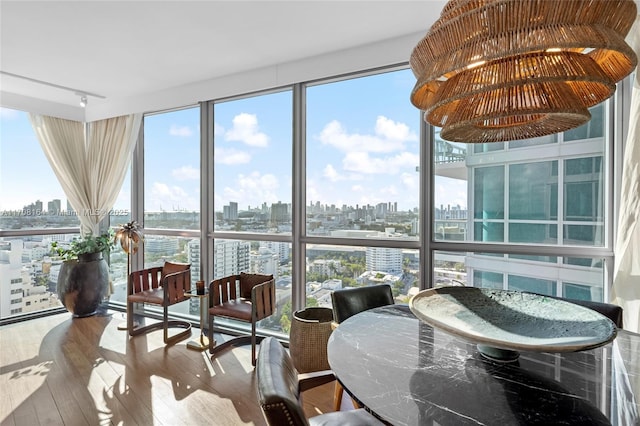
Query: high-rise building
column 547, row 190
column 384, row 259
column 193, row 257
column 230, row 257
column 161, row 245
column 230, row 212
column 264, row 261
column 54, row 207
column 281, row 249
column 11, row 279
column 280, row 213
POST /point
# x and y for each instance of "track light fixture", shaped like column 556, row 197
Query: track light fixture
column 82, row 93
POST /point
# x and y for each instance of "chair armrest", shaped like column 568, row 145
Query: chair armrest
column 222, row 290
column 175, row 285
column 263, row 299
column 313, row 379
column 144, row 280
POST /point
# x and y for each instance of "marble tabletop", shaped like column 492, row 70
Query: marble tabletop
column 408, row 373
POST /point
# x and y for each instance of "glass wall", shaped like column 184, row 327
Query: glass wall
column 544, row 194
column 252, row 161
column 31, row 197
column 171, row 193
column 363, row 156
column 33, row 213
column 333, row 267
column 320, row 185
column 172, row 170
column 575, row 278
column 252, row 194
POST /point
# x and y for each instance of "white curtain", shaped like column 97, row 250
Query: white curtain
column 626, row 281
column 90, row 167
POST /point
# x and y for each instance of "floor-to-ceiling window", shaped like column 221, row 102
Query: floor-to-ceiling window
column 529, row 215
column 34, row 212
column 536, row 201
column 252, row 193
column 171, row 193
column 362, row 204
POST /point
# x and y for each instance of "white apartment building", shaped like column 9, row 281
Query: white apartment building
column 193, row 257
column 11, row 278
column 264, row 262
column 230, row 257
column 282, row 250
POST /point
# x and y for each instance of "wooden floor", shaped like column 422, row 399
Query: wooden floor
column 63, row 371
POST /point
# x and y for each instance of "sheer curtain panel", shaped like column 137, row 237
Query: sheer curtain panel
column 90, row 167
column 626, row 281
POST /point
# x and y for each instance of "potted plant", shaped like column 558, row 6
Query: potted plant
column 83, row 281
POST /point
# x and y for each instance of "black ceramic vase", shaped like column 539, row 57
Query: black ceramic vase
column 83, row 284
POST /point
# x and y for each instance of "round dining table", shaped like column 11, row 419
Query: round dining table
column 405, row 372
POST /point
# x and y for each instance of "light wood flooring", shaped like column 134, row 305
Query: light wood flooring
column 63, row 371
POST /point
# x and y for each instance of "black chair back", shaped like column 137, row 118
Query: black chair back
column 278, row 392
column 609, row 310
column 350, row 301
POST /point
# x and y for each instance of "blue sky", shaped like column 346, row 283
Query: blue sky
column 362, row 147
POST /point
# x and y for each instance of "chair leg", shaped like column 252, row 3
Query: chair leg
column 166, row 323
column 253, row 343
column 212, row 343
column 216, row 348
column 130, row 318
column 338, row 391
column 337, row 396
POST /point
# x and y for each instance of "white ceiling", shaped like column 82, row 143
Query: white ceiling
column 149, row 55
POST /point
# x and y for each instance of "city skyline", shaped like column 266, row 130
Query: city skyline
column 37, row 208
column 366, row 157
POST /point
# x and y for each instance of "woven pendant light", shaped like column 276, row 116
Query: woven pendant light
column 499, row 70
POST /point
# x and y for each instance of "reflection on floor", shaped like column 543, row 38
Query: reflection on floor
column 61, row 370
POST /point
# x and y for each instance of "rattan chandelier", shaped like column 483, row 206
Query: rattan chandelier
column 499, row 70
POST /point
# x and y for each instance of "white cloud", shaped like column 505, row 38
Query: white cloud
column 331, row 173
column 170, row 197
column 389, row 137
column 245, row 130
column 313, row 193
column 186, row 173
column 393, row 131
column 410, row 180
column 254, row 189
column 180, row 131
column 389, row 190
column 231, row 156
column 451, row 192
column 357, row 188
column 361, row 162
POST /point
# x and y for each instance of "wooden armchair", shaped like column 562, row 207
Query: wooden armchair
column 163, row 286
column 244, row 297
